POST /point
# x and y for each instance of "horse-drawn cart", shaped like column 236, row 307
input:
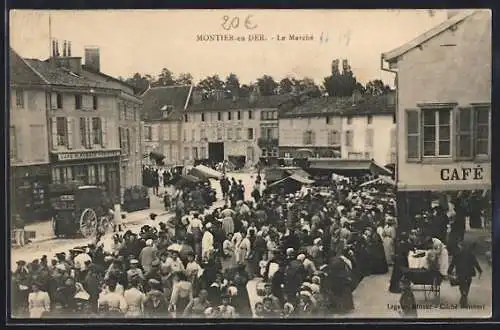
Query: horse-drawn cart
column 77, row 209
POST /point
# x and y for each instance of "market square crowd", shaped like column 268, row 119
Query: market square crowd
column 306, row 252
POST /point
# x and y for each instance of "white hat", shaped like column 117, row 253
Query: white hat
column 317, row 240
column 208, row 225
column 149, row 242
column 289, row 251
column 134, row 262
column 301, row 257
column 61, row 267
column 232, row 291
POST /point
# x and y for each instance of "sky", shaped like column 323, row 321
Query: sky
column 146, row 41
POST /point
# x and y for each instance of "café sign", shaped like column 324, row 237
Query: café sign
column 87, row 154
column 473, row 173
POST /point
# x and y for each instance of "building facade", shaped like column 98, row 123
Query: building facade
column 370, row 134
column 163, row 114
column 444, row 110
column 356, row 128
column 28, row 153
column 224, row 128
column 83, row 124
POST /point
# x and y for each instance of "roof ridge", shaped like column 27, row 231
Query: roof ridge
column 429, row 34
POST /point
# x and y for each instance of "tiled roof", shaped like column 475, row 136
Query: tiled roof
column 260, row 102
column 157, row 97
column 388, row 56
column 342, row 106
column 61, row 77
column 21, row 73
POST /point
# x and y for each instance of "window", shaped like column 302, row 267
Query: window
column 193, row 134
column 56, row 175
column 148, row 133
column 95, row 103
column 229, row 116
column 219, row 134
column 62, row 131
column 333, row 137
column 349, row 139
column 203, row 134
column 101, row 174
column 369, row 119
column 369, row 138
column 195, row 153
column 239, row 115
column 59, row 101
column 202, row 117
column 13, row 143
column 186, row 153
column 250, row 114
column 219, row 116
column 20, row 98
column 473, row 132
column 250, row 134
column 83, row 133
column 328, row 120
column 308, row 138
column 96, row 130
column 229, row 133
column 349, row 120
column 238, row 133
column 78, row 102
column 437, row 133
column 203, row 152
column 185, row 135
column 186, row 118
column 92, row 174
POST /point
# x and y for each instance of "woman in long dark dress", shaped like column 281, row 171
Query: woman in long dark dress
column 402, row 249
column 376, row 251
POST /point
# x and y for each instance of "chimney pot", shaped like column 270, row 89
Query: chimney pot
column 92, row 59
column 69, row 48
column 64, row 48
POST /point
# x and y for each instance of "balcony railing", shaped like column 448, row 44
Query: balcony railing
column 267, row 143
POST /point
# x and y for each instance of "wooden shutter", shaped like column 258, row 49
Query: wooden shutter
column 128, row 140
column 413, row 135
column 69, row 123
column 53, row 101
column 464, row 137
column 104, row 132
column 89, row 132
column 53, row 125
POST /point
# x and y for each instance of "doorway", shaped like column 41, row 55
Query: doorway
column 216, row 152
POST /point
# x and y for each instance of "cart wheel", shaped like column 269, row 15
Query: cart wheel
column 88, row 222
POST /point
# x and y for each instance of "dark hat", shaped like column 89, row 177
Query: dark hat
column 21, row 262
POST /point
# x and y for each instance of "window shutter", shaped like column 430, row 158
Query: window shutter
column 464, row 137
column 104, row 132
column 53, row 101
column 313, row 137
column 89, row 132
column 69, row 123
column 53, row 125
column 413, row 135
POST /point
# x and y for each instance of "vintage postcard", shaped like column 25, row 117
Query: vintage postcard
column 228, row 164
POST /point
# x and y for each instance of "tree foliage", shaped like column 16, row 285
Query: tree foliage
column 184, row 78
column 210, row 85
column 376, row 87
column 341, row 84
column 232, row 84
column 267, row 86
column 139, row 82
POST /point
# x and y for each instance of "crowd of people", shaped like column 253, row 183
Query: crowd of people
column 304, row 253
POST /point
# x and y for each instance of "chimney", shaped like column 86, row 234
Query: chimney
column 57, row 48
column 92, row 60
column 69, row 48
column 452, row 12
column 345, row 65
column 53, row 48
column 64, row 48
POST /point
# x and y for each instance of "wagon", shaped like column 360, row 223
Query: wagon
column 76, row 209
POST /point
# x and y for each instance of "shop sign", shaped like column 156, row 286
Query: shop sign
column 87, row 155
column 463, row 173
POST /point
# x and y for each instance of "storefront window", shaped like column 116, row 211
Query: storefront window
column 38, row 194
column 102, row 173
column 92, row 174
column 56, row 175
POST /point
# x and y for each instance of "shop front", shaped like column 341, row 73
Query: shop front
column 29, row 186
column 441, row 184
column 98, row 167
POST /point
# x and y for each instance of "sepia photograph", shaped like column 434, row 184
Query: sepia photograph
column 250, row 164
